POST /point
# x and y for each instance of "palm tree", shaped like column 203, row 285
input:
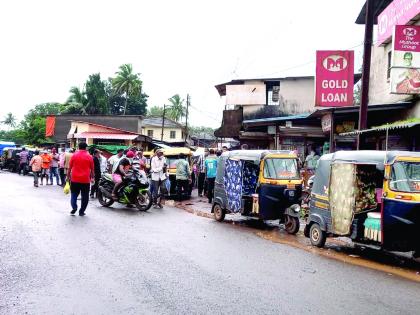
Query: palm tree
column 126, row 82
column 9, row 121
column 76, row 102
column 177, row 109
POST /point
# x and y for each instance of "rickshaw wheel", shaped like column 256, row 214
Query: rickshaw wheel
column 317, row 236
column 291, row 225
column 219, row 212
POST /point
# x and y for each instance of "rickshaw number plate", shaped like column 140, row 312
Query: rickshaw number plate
column 291, row 193
column 291, row 186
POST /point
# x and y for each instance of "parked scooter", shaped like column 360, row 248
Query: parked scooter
column 134, row 191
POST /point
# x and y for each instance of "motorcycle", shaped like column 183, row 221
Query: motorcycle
column 134, row 191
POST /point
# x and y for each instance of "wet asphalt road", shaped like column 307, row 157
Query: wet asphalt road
column 167, row 262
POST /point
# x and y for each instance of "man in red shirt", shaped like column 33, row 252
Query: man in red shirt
column 80, row 174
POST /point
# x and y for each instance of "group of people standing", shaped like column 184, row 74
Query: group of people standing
column 76, row 168
column 47, row 164
column 204, row 172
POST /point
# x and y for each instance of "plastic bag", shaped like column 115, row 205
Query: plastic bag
column 168, row 186
column 66, row 188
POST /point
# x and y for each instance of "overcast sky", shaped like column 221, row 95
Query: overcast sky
column 177, row 46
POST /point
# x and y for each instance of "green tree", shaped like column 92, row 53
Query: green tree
column 96, row 96
column 9, row 121
column 137, row 105
column 127, row 83
column 155, row 111
column 15, row 135
column 93, row 99
column 76, row 102
column 357, row 94
column 198, row 131
column 32, row 129
column 177, row 109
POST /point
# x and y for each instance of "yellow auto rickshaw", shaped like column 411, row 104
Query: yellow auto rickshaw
column 373, row 197
column 172, row 156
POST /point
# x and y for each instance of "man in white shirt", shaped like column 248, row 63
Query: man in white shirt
column 103, row 163
column 112, row 161
column 158, row 169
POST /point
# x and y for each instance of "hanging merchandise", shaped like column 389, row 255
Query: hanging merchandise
column 233, row 184
column 365, row 190
column 373, row 227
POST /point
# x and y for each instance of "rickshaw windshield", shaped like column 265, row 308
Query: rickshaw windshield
column 405, row 177
column 280, row 168
column 173, row 161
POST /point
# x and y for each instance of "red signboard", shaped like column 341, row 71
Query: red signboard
column 334, row 79
column 405, row 71
column 407, row 38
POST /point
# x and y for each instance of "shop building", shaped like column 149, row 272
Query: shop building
column 94, row 134
column 394, row 79
column 259, row 99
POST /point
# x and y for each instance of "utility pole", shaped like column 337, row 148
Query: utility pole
column 186, row 119
column 367, row 51
column 163, row 122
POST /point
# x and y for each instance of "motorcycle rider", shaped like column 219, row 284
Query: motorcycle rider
column 121, row 172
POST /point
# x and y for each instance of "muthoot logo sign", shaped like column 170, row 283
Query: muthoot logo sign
column 410, row 31
column 334, row 63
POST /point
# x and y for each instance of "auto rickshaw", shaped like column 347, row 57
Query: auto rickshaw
column 172, row 156
column 10, row 159
column 259, row 183
column 373, row 197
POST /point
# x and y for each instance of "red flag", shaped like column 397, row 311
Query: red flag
column 50, row 126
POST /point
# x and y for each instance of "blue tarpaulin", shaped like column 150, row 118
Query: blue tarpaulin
column 5, row 144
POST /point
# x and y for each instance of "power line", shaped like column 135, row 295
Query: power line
column 303, row 64
column 208, row 114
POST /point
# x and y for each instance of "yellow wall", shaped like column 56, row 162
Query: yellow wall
column 166, row 133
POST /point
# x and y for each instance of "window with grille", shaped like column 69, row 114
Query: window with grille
column 150, row 133
column 172, row 134
column 273, row 93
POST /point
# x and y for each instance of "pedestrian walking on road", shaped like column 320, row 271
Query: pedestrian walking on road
column 45, row 168
column 55, row 158
column 23, row 161
column 103, row 162
column 80, row 175
column 36, row 164
column 202, row 174
column 183, row 177
column 211, row 169
column 158, row 169
column 61, row 168
column 97, row 172
column 67, row 158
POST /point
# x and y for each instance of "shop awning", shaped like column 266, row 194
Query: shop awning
column 272, row 120
column 105, row 135
column 382, row 128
